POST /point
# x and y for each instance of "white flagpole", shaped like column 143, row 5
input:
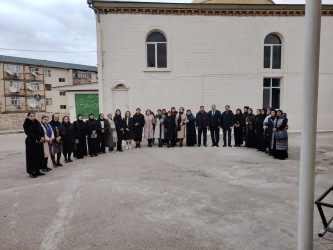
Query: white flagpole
column 309, row 126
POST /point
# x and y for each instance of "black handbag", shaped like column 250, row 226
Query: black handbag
column 281, row 134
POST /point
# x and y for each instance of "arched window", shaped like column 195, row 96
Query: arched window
column 156, row 50
column 272, row 52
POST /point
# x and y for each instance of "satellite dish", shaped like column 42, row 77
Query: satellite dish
column 33, row 73
column 30, row 88
column 13, row 89
column 9, row 72
column 32, row 104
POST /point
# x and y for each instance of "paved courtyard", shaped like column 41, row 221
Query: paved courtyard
column 159, row 198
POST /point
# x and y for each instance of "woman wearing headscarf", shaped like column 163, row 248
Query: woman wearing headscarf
column 59, row 133
column 238, row 128
column 128, row 130
column 112, row 134
column 280, row 136
column 191, row 133
column 169, row 128
column 139, row 122
column 119, row 123
column 159, row 127
column 250, row 129
column 34, row 151
column 149, row 127
column 93, row 128
column 259, row 127
column 102, row 134
column 173, row 115
column 80, row 135
column 180, row 125
column 48, row 143
column 69, row 141
column 270, row 126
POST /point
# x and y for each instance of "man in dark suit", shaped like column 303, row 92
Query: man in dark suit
column 214, row 125
column 227, row 122
column 202, row 123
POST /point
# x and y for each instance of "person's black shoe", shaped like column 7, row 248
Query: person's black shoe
column 55, row 165
column 199, row 145
column 39, row 173
column 120, row 150
column 230, row 146
column 224, row 146
column 91, row 155
column 59, row 164
column 217, row 145
column 70, row 160
column 49, row 169
column 205, row 145
column 66, row 161
column 213, row 145
column 33, row 176
column 45, row 170
column 95, row 154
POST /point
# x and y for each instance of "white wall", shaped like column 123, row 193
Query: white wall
column 212, row 59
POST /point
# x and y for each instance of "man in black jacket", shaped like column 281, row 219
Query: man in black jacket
column 214, row 125
column 202, row 124
column 227, row 122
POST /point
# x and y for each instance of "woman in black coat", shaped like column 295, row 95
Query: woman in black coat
column 68, row 139
column 34, row 150
column 128, row 130
column 169, row 128
column 259, row 127
column 93, row 127
column 191, row 133
column 119, row 123
column 80, row 135
column 138, row 123
column 103, row 134
column 250, row 129
column 238, row 128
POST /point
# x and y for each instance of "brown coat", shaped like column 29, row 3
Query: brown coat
column 149, row 127
column 181, row 131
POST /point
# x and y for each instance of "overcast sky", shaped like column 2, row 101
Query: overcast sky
column 56, row 25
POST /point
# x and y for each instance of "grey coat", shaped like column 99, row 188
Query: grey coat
column 280, row 123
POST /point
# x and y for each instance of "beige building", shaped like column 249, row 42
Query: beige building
column 23, row 79
column 223, row 52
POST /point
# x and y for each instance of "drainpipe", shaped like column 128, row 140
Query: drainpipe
column 309, row 127
column 99, row 57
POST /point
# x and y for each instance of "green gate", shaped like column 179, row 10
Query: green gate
column 86, row 104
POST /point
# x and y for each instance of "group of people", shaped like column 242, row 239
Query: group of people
column 266, row 130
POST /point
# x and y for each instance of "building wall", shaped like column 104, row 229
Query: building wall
column 57, row 99
column 212, row 59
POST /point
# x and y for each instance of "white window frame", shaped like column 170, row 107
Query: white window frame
column 47, row 73
column 35, row 101
column 15, row 84
column 15, row 69
column 34, row 70
column 271, row 54
column 48, row 101
column 271, row 89
column 35, row 85
column 62, row 93
column 15, row 100
column 89, row 76
column 155, row 44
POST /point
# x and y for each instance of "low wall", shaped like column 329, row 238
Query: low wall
column 15, row 121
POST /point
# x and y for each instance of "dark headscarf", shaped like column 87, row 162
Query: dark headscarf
column 190, row 117
column 90, row 115
column 63, row 121
column 53, row 122
column 79, row 121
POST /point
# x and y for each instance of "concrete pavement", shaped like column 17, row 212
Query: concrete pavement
column 159, row 198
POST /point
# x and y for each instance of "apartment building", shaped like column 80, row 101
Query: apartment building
column 31, row 84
